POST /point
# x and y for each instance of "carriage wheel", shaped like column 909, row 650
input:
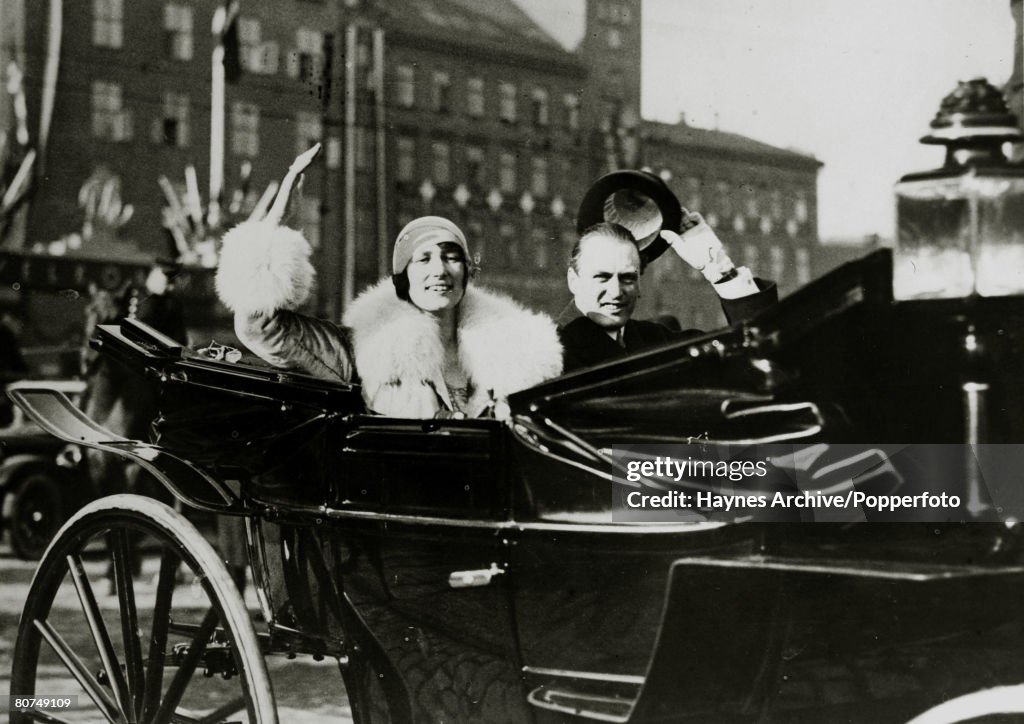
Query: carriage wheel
column 154, row 650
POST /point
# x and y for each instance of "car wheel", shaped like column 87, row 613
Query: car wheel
column 37, row 512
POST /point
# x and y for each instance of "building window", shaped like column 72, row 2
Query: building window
column 402, row 219
column 475, row 168
column 110, row 121
column 172, row 129
column 249, row 36
column 108, row 23
column 778, row 264
column 539, row 240
column 507, row 107
column 752, row 205
column 507, row 173
column 751, row 255
column 800, row 207
column 254, row 55
column 307, row 60
column 803, row 266
column 405, row 150
column 725, row 200
column 364, row 148
column 441, row 92
column 539, row 177
column 475, row 231
column 614, row 12
column 178, row 31
column 405, row 91
column 571, row 103
column 245, row 129
column 539, row 114
column 510, row 249
column 442, row 163
column 309, row 130
column 692, row 194
column 475, row 97
column 777, row 209
column 614, row 38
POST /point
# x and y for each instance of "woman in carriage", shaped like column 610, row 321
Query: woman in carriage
column 423, row 343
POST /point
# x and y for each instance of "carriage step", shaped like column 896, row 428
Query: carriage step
column 579, row 704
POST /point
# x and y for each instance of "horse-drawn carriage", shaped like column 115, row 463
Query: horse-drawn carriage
column 474, row 570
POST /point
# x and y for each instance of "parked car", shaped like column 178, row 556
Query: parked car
column 43, row 480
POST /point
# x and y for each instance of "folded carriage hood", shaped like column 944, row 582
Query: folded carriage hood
column 696, row 378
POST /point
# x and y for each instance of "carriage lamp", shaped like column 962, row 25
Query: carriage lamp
column 960, row 228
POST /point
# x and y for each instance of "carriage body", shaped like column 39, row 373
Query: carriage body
column 475, row 570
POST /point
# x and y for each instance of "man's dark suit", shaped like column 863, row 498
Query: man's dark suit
column 586, row 343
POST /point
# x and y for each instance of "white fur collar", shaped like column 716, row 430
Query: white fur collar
column 503, row 347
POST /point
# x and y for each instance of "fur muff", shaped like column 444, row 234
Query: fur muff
column 264, row 267
column 503, row 347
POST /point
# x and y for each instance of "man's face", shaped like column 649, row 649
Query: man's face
column 606, row 282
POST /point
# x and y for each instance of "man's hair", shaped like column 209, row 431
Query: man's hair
column 401, row 279
column 605, row 228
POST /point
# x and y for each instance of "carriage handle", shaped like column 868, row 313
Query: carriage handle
column 472, row 579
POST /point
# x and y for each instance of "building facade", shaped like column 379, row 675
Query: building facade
column 477, row 114
column 462, row 108
column 761, row 200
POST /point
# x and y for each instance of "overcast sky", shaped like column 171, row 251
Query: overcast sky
column 854, row 82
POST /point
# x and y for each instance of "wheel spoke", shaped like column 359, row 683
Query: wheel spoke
column 158, row 639
column 108, row 657
column 186, row 668
column 120, row 547
column 74, row 664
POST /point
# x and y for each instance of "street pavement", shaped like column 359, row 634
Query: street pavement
column 306, row 691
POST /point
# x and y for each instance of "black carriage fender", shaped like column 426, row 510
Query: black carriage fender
column 740, row 608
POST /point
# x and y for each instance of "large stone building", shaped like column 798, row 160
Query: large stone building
column 464, row 108
column 762, row 201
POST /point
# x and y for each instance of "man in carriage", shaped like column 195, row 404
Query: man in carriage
column 606, row 266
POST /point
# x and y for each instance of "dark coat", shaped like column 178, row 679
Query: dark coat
column 586, row 343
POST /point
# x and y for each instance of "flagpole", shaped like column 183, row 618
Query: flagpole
column 217, row 83
column 348, row 279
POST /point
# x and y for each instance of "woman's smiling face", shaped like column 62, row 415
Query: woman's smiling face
column 437, row 276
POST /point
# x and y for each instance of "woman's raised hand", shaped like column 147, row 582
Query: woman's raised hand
column 299, row 165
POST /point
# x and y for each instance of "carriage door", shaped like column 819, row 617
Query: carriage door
column 428, row 502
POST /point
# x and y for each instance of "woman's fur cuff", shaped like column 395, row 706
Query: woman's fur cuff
column 263, row 268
